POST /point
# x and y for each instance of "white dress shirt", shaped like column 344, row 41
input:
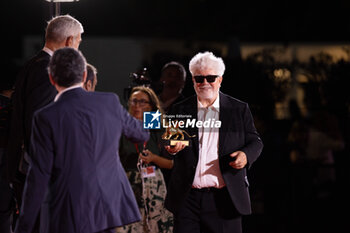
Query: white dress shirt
column 67, row 89
column 47, row 50
column 208, row 172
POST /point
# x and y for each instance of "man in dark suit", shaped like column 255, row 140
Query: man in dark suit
column 208, row 188
column 32, row 91
column 75, row 174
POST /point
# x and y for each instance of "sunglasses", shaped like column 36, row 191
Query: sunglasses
column 209, row 78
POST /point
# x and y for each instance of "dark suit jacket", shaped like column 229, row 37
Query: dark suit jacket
column 33, row 90
column 75, row 161
column 237, row 132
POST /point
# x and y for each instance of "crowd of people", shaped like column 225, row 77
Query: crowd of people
column 76, row 160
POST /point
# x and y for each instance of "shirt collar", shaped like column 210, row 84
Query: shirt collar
column 47, row 50
column 215, row 106
column 79, row 85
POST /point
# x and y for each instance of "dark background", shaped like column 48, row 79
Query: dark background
column 284, row 195
column 283, row 21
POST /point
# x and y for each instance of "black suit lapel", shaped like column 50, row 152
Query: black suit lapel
column 189, row 107
column 194, row 131
column 224, row 118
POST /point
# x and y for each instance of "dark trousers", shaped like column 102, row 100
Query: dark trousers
column 208, row 211
column 7, row 200
column 18, row 188
column 6, row 207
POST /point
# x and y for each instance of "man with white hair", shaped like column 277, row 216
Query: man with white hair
column 208, row 188
column 32, row 91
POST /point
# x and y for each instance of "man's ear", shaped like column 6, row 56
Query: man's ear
column 88, row 85
column 51, row 80
column 220, row 80
column 84, row 76
column 69, row 41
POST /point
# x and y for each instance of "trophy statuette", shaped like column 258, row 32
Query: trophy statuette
column 174, row 135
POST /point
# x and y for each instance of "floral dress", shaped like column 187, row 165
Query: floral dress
column 150, row 192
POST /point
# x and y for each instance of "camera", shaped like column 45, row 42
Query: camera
column 139, row 78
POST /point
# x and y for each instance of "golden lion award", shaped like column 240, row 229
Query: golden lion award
column 174, row 134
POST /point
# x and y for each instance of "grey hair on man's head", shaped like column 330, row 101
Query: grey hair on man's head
column 207, row 60
column 61, row 27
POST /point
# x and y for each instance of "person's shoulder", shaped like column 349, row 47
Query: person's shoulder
column 180, row 98
column 40, row 58
column 231, row 100
column 186, row 101
column 34, row 66
column 104, row 95
column 48, row 110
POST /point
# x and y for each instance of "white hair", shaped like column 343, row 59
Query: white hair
column 207, row 60
column 61, row 27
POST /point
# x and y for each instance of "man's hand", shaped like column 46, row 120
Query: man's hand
column 240, row 161
column 175, row 149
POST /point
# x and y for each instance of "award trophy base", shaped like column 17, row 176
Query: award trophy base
column 172, row 142
column 184, row 142
column 171, row 136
